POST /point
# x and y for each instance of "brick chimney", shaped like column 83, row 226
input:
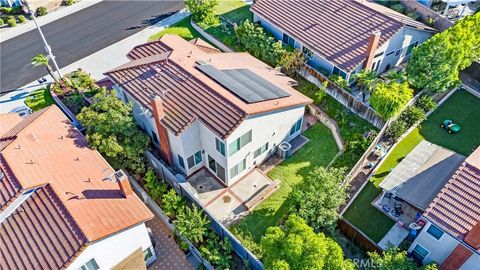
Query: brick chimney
column 372, row 46
column 123, row 183
column 158, row 113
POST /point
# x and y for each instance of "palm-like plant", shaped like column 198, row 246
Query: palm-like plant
column 397, row 76
column 367, row 81
column 42, row 60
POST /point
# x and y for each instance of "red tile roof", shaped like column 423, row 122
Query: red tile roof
column 50, row 150
column 9, row 186
column 8, row 121
column 9, row 136
column 40, row 234
column 456, row 209
column 337, row 30
column 166, row 68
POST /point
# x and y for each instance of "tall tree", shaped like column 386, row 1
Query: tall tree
column 111, row 130
column 318, row 197
column 435, row 65
column 42, row 60
column 296, row 246
column 367, row 81
column 388, row 99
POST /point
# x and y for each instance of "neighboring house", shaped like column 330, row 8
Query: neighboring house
column 451, row 236
column 226, row 112
column 61, row 204
column 454, row 9
column 343, row 36
column 10, row 3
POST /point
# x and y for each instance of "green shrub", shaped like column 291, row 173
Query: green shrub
column 203, row 11
column 12, row 22
column 398, row 7
column 412, row 115
column 430, row 21
column 172, row 203
column 22, row 18
column 192, row 223
column 69, row 2
column 339, row 80
column 11, row 17
column 6, row 10
column 217, row 251
column 414, row 15
column 41, row 11
column 396, row 129
column 426, row 103
column 155, row 188
column 1, row 22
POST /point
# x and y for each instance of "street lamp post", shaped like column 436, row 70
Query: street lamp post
column 48, row 49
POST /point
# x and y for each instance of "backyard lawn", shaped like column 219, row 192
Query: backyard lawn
column 319, row 151
column 39, row 99
column 181, row 28
column 461, row 107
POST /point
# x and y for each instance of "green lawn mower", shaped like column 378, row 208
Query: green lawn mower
column 450, row 126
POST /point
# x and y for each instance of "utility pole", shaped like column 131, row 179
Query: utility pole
column 26, row 9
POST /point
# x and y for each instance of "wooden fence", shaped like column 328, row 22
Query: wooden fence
column 357, row 237
column 343, row 96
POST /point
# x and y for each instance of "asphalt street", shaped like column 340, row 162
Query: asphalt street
column 78, row 35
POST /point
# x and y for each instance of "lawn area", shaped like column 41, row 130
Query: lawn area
column 39, row 99
column 319, row 151
column 352, row 127
column 462, row 107
column 235, row 11
column 181, row 28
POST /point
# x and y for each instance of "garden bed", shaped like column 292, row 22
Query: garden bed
column 460, row 107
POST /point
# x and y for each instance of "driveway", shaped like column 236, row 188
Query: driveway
column 78, row 35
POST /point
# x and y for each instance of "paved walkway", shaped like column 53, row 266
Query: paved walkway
column 11, row 32
column 169, row 255
column 394, row 237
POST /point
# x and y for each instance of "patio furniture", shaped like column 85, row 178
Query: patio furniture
column 388, row 196
column 386, row 208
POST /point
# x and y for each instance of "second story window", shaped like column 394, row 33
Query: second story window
column 435, row 232
column 90, row 265
column 307, row 52
column 220, row 146
column 194, row 159
column 239, row 143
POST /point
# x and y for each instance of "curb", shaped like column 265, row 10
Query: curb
column 10, row 33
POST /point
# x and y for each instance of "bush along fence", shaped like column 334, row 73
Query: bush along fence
column 177, row 181
column 343, row 96
column 357, row 237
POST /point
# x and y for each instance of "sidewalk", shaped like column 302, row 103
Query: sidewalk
column 11, row 32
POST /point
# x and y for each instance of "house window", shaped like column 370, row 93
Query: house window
column 236, row 145
column 340, row 72
column 240, row 167
column 296, row 127
column 260, row 150
column 194, row 159
column 419, row 253
column 378, row 54
column 287, row 40
column 147, row 255
column 216, row 168
column 181, row 162
column 220, row 146
column 154, row 137
column 307, row 52
column 90, row 265
column 435, row 232
column 390, row 53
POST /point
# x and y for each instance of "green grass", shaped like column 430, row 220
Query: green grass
column 234, row 10
column 462, row 107
column 352, row 127
column 181, row 28
column 319, row 151
column 39, row 99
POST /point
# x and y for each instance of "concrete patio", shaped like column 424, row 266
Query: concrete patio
column 387, row 206
column 228, row 204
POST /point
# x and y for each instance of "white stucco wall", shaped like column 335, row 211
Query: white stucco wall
column 438, row 249
column 473, row 263
column 273, row 128
column 112, row 250
column 402, row 39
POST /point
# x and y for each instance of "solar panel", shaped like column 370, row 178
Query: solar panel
column 244, row 83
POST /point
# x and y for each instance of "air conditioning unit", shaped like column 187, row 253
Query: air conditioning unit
column 284, row 150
